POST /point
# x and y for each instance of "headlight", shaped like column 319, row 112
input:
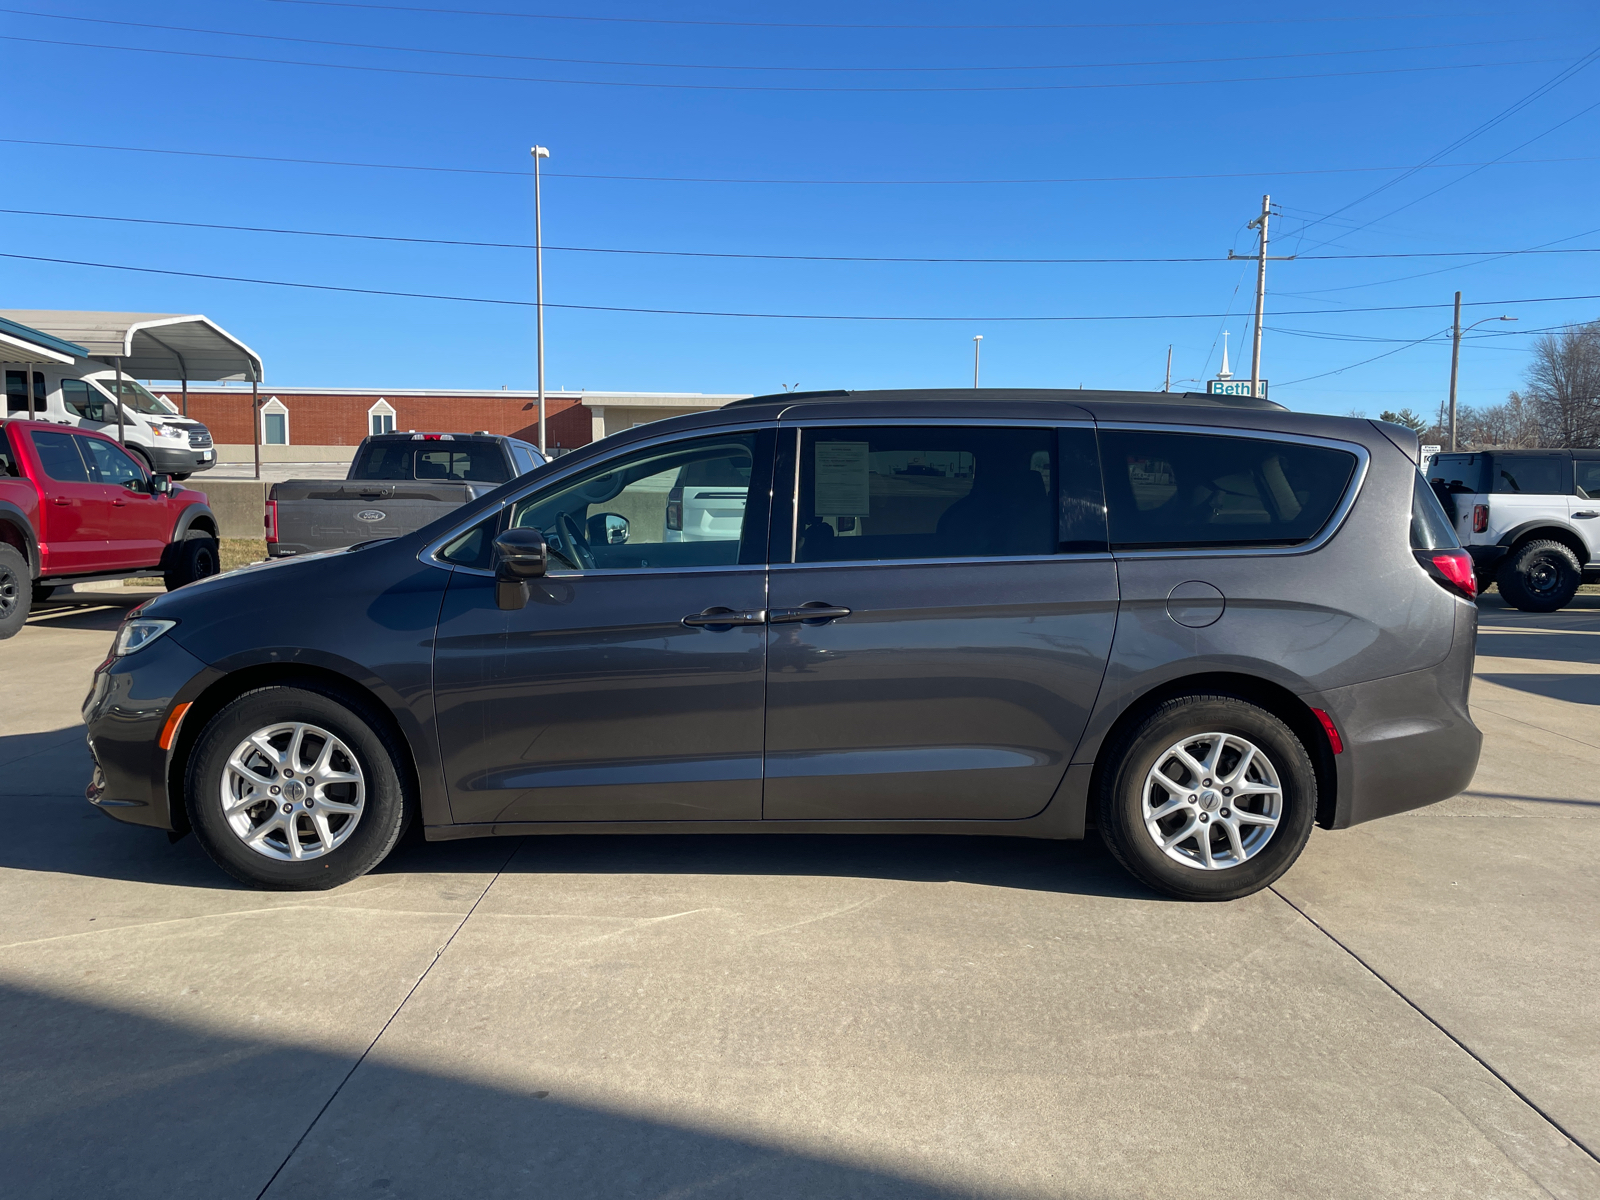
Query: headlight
column 137, row 634
column 168, row 431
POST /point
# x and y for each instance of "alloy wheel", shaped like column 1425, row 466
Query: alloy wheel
column 292, row 791
column 1212, row 801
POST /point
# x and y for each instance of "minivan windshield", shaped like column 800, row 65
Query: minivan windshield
column 136, row 398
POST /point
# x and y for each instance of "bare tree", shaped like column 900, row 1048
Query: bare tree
column 1512, row 425
column 1564, row 386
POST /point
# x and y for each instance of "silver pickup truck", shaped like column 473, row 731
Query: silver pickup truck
column 398, row 482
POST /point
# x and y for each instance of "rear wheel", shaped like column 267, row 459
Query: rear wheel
column 1208, row 798
column 295, row 789
column 1540, row 576
column 16, row 587
column 195, row 557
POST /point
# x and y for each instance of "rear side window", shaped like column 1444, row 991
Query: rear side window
column 1430, row 528
column 1544, row 475
column 58, row 455
column 894, row 492
column 17, row 392
column 1177, row 490
column 386, row 460
column 8, row 462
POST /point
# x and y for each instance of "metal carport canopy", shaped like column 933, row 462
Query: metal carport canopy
column 150, row 345
column 19, row 343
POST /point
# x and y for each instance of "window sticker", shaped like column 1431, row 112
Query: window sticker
column 842, row 477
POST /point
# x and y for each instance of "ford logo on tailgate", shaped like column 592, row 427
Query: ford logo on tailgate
column 370, row 514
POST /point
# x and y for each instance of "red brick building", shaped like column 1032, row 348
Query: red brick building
column 305, row 416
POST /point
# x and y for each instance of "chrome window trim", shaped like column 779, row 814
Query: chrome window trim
column 427, row 555
column 834, row 564
column 1323, row 536
column 938, row 423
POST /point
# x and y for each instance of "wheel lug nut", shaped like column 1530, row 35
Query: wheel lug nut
column 275, row 789
column 1227, row 791
column 1204, row 817
column 1225, row 813
column 1192, row 799
column 1205, row 783
column 310, row 802
column 288, row 808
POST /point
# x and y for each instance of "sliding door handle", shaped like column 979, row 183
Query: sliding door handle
column 725, row 618
column 814, row 613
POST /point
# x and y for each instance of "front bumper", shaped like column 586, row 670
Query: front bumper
column 1409, row 739
column 180, row 460
column 124, row 713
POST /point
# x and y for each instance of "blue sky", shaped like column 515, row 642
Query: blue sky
column 1286, row 100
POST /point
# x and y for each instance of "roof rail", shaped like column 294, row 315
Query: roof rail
column 1060, row 395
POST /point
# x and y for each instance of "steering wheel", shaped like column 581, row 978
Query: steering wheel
column 573, row 536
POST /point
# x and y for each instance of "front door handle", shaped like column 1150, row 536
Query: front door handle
column 725, row 618
column 1586, row 515
column 815, row 613
column 119, row 504
column 61, row 501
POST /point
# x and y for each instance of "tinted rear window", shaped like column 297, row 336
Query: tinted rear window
column 1430, row 528
column 451, row 462
column 1459, row 472
column 1170, row 490
column 1544, row 475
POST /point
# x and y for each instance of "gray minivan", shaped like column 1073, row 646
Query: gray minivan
column 1199, row 625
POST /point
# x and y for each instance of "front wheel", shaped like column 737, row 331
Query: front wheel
column 1208, row 798
column 16, row 591
column 1540, row 577
column 296, row 789
column 193, row 558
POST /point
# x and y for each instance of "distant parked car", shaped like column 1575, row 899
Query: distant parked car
column 397, row 483
column 76, row 507
column 1529, row 518
column 1201, row 625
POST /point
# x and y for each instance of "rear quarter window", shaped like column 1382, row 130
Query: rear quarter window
column 1430, row 528
column 1183, row 490
column 1459, row 473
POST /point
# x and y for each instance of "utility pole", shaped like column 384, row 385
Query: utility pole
column 1262, row 257
column 1167, row 386
column 977, row 341
column 539, row 152
column 1455, row 366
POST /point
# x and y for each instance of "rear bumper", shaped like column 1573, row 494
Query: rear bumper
column 1409, row 739
column 1484, row 558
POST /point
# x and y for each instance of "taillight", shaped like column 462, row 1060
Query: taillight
column 675, row 508
column 1451, row 569
column 271, row 520
column 1480, row 518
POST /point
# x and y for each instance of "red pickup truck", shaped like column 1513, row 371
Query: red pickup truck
column 76, row 507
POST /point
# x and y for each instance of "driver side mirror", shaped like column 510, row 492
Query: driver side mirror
column 161, row 485
column 519, row 555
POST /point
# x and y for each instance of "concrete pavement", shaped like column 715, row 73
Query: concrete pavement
column 1410, row 1011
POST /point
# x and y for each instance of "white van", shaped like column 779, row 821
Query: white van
column 153, row 430
column 62, row 366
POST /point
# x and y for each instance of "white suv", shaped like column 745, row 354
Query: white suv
column 1529, row 518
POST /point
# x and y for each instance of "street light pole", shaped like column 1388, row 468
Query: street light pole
column 977, row 341
column 1455, row 359
column 539, row 152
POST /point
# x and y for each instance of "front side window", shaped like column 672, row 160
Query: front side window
column 83, row 401
column 1184, row 490
column 926, row 492
column 685, row 504
column 108, row 463
column 1588, row 479
column 58, row 455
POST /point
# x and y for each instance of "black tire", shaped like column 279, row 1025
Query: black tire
column 384, row 811
column 43, row 592
column 1139, row 750
column 16, row 591
column 196, row 557
column 1540, row 576
column 181, row 478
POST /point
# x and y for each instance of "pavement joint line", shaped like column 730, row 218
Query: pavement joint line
column 1421, row 1012
column 377, row 1037
column 1540, row 728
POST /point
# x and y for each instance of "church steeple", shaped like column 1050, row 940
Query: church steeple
column 1225, row 373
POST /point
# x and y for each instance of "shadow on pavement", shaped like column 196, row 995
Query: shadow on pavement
column 1574, row 689
column 106, row 1103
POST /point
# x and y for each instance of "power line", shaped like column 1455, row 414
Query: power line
column 458, row 12
column 743, row 87
column 326, row 162
column 1362, row 363
column 842, row 258
column 680, row 312
column 679, row 66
